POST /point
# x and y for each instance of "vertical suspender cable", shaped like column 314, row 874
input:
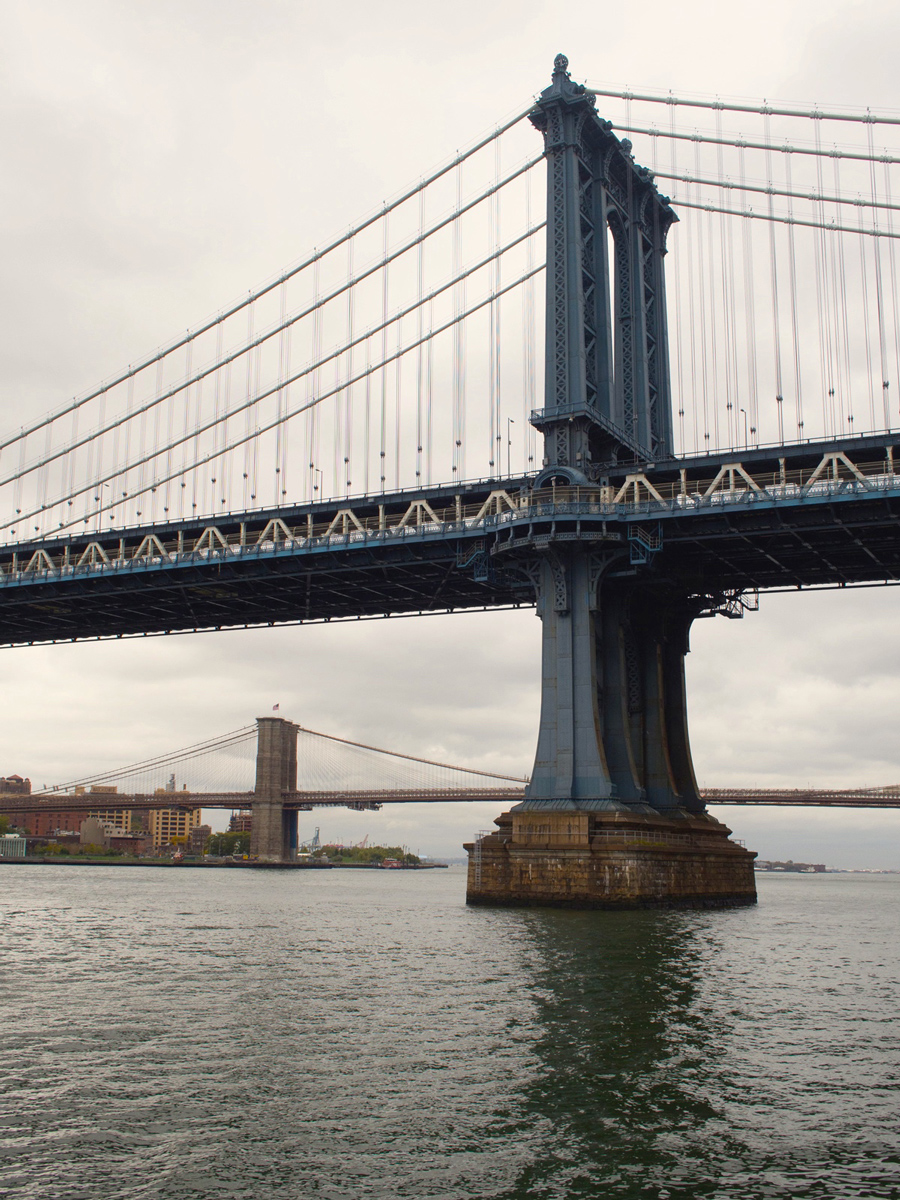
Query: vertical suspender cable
column 338, row 403
column 312, row 391
column 864, row 276
column 528, row 337
column 823, row 292
column 496, row 446
column 226, row 468
column 384, row 353
column 157, row 419
column 279, row 398
column 693, row 325
column 710, row 255
column 248, row 486
column 198, row 418
column 701, row 281
column 420, row 333
column 196, row 424
column 726, row 271
column 256, row 356
column 459, row 342
column 170, row 431
column 44, row 472
column 71, row 456
column 118, row 432
column 287, row 346
column 879, row 292
column 220, row 431
column 367, row 418
column 773, row 275
column 842, row 307
column 121, row 482
column 351, row 332
column 749, row 303
column 398, row 402
column 679, row 283
column 895, row 297
column 429, row 396
column 792, row 279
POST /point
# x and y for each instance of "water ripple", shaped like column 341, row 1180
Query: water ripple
column 340, row 1035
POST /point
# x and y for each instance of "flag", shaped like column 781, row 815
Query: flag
column 275, row 707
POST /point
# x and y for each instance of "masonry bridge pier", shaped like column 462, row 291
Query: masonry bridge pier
column 613, row 793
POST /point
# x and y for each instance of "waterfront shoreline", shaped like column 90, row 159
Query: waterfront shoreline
column 72, row 861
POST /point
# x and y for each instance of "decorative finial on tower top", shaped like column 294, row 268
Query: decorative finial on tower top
column 561, row 86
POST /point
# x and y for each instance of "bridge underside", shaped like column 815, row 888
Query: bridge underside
column 681, row 525
column 284, row 589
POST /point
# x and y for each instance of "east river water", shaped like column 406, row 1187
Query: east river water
column 338, row 1034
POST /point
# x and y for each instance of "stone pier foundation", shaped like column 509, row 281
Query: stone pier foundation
column 609, row 859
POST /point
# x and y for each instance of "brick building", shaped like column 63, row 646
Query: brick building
column 198, row 838
column 45, row 822
column 15, row 785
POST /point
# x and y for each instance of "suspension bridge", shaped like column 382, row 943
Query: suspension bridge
column 333, row 771
column 365, row 434
column 325, row 771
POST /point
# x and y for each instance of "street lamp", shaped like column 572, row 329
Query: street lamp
column 509, row 421
column 746, row 442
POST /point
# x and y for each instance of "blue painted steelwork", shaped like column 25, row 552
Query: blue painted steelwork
column 450, row 548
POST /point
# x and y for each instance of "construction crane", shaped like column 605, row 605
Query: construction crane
column 313, row 843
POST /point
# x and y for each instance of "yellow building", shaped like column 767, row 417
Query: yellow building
column 167, row 824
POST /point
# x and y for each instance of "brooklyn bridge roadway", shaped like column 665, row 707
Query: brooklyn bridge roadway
column 373, row 800
column 825, row 513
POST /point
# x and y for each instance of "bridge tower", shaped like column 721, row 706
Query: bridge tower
column 606, row 390
column 274, row 835
column 613, row 815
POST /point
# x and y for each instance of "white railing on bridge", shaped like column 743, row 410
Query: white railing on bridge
column 354, row 523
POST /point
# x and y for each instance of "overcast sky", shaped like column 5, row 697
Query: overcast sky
column 160, row 158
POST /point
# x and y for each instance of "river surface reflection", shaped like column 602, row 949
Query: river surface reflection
column 341, row 1034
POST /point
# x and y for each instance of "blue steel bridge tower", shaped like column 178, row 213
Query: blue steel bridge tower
column 606, row 393
column 613, row 726
column 613, row 758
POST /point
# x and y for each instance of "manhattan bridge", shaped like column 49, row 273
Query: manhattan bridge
column 629, row 371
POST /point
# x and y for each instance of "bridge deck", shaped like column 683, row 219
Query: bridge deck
column 373, row 799
column 827, row 514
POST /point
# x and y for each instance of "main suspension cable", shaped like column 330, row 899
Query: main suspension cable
column 743, row 143
column 817, row 197
column 763, row 110
column 316, row 256
column 308, row 406
column 254, row 343
column 789, row 220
